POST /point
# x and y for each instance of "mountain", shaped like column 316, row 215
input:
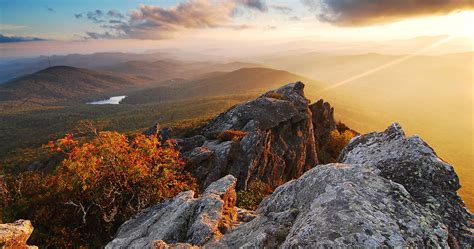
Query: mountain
column 65, row 83
column 241, row 81
column 11, row 69
column 387, row 189
column 163, row 70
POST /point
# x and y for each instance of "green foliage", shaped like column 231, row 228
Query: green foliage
column 26, row 131
column 251, row 198
column 99, row 185
column 231, row 135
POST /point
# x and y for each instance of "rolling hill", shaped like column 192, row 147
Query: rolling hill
column 241, row 81
column 163, row 70
column 65, row 83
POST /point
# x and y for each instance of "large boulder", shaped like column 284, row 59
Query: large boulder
column 338, row 206
column 183, row 219
column 274, row 140
column 412, row 163
column 15, row 235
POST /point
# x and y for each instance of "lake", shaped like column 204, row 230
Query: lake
column 110, row 101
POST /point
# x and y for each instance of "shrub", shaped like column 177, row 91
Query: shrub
column 338, row 141
column 275, row 95
column 251, row 198
column 341, row 127
column 229, row 135
column 97, row 187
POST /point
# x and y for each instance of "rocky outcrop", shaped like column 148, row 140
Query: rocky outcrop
column 339, row 206
column 323, row 123
column 412, row 163
column 390, row 191
column 15, row 235
column 183, row 219
column 275, row 142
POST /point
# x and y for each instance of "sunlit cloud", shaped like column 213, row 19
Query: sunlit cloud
column 156, row 22
column 366, row 12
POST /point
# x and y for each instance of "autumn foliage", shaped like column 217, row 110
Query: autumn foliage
column 98, row 185
column 256, row 192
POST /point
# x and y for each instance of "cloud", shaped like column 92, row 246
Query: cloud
column 115, row 14
column 11, row 39
column 366, row 12
column 260, row 5
column 155, row 22
column 11, row 26
column 282, row 9
column 95, row 16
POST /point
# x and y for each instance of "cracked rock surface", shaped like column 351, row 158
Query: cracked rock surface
column 184, row 218
column 411, row 162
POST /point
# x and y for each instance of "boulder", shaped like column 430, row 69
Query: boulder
column 276, row 143
column 412, row 163
column 339, row 206
column 15, row 235
column 183, row 219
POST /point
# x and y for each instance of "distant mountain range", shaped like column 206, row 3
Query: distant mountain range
column 66, row 83
column 158, row 65
column 241, row 81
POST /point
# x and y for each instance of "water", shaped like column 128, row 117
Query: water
column 111, row 101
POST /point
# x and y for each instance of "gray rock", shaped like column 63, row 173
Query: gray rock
column 323, row 123
column 412, row 163
column 183, row 219
column 339, row 205
column 15, row 235
column 278, row 145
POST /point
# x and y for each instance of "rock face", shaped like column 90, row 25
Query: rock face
column 182, row 219
column 277, row 142
column 390, row 191
column 412, row 163
column 339, row 205
column 15, row 235
column 323, row 123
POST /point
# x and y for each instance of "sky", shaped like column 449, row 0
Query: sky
column 66, row 26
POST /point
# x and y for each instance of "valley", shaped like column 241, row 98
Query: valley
column 173, row 91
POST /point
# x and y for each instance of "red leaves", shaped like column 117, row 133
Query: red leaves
column 110, row 178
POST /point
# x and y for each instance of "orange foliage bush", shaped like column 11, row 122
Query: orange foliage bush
column 229, row 135
column 98, row 186
column 338, row 141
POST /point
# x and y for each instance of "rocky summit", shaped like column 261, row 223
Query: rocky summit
column 271, row 138
column 387, row 190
